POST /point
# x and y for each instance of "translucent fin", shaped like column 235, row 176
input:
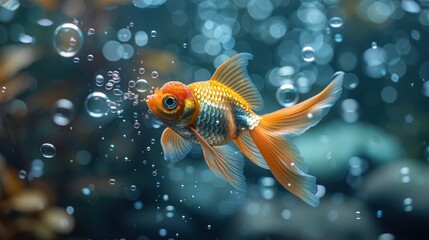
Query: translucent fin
column 296, row 119
column 286, row 164
column 245, row 143
column 175, row 147
column 233, row 74
column 224, row 161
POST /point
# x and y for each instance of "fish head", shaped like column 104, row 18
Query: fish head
column 174, row 104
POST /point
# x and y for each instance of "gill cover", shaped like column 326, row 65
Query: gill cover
column 174, row 104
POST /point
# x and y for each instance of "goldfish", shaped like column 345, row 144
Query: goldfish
column 219, row 111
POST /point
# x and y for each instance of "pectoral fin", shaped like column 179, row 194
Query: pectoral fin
column 224, row 161
column 175, row 147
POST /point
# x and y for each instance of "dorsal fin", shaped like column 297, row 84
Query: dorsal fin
column 233, row 74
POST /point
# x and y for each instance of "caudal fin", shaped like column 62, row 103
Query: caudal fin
column 272, row 135
column 295, row 120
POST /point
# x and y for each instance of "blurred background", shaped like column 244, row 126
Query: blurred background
column 79, row 152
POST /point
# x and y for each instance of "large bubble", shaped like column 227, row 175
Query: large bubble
column 68, row 39
column 96, row 104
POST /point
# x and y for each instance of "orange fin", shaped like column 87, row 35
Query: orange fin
column 224, row 161
column 282, row 158
column 233, row 74
column 175, row 147
column 246, row 145
column 295, row 120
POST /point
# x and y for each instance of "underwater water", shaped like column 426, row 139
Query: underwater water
column 80, row 152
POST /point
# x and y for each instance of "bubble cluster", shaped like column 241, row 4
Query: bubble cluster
column 68, row 39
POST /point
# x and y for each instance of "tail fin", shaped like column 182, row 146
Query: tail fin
column 272, row 134
column 295, row 120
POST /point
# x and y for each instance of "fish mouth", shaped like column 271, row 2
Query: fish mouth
column 152, row 99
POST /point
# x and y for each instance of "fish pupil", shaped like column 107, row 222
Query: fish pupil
column 170, row 102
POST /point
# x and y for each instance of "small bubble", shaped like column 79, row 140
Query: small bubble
column 287, row 95
column 72, row 41
column 165, row 197
column 338, row 37
column 117, row 92
column 22, row 174
column 148, row 149
column 70, row 210
column 131, row 24
column 358, row 215
column 379, row 213
column 90, row 57
column 408, row 204
column 153, row 33
column 209, row 227
column 335, row 22
column 141, row 70
column 112, row 181
column 48, row 150
column 142, row 85
column 91, row 31
column 133, row 188
column 152, row 141
column 63, row 112
column 185, row 45
column 3, row 89
column 154, row 173
column 374, row 45
column 154, row 74
column 109, row 86
column 308, row 54
column 76, row 60
column 162, row 232
column 86, row 191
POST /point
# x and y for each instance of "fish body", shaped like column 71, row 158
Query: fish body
column 219, row 111
column 223, row 114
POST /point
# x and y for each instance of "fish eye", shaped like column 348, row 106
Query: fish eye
column 169, row 102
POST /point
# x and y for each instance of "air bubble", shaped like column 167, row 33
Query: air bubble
column 133, row 188
column 64, row 111
column 112, row 181
column 141, row 70
column 153, row 33
column 131, row 84
column 358, row 215
column 154, row 74
column 117, row 92
column 287, row 95
column 68, row 39
column 308, row 54
column 48, row 150
column 76, row 60
column 142, row 85
column 96, row 104
column 124, row 35
column 335, row 22
column 90, row 57
column 3, row 89
column 91, row 31
column 22, row 174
